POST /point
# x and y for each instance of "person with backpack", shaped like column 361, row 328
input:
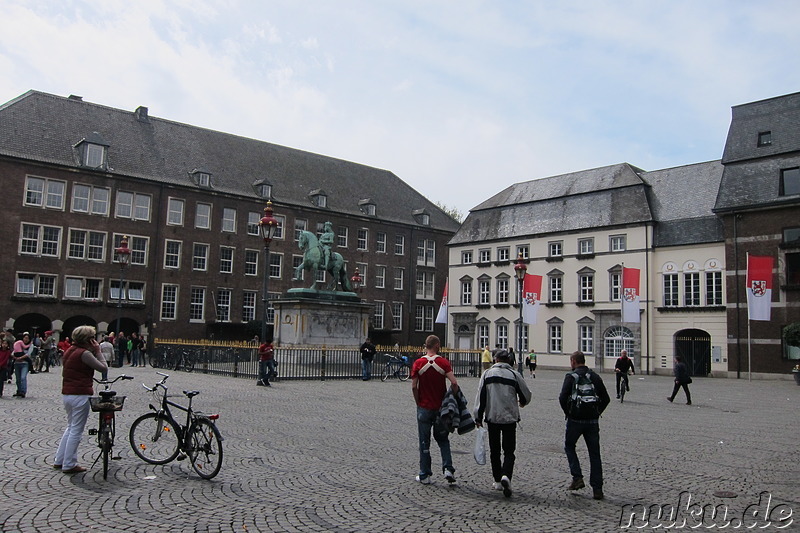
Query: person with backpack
column 583, row 399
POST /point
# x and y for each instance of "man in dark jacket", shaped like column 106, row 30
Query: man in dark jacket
column 583, row 425
column 623, row 365
column 367, row 354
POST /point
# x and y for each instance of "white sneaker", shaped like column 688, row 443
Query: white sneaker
column 497, row 485
column 425, row 480
column 506, row 483
column 449, row 476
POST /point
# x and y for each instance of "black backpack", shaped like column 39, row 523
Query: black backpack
column 584, row 403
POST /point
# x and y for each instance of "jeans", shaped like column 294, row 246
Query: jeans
column 427, row 420
column 590, row 429
column 505, row 436
column 366, row 369
column 135, row 357
column 77, row 408
column 21, row 375
column 266, row 370
column 685, row 389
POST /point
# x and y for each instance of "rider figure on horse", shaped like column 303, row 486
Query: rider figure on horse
column 326, row 242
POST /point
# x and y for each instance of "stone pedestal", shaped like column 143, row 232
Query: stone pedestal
column 309, row 317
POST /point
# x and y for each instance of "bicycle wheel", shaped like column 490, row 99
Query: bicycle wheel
column 205, row 451
column 154, row 439
column 403, row 372
column 188, row 361
column 386, row 372
column 622, row 384
column 105, row 447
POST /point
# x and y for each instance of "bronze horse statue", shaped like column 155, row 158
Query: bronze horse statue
column 312, row 259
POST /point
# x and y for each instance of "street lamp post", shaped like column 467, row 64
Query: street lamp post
column 356, row 280
column 520, row 269
column 122, row 255
column 268, row 225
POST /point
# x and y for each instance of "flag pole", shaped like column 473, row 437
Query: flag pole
column 749, row 341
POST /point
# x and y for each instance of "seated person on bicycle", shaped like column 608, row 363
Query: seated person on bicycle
column 623, row 366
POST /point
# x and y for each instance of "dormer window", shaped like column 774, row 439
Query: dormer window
column 201, row 178
column 367, row 207
column 318, row 198
column 263, row 189
column 92, row 151
column 764, row 138
column 422, row 217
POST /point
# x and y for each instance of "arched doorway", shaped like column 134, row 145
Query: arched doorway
column 695, row 347
column 126, row 325
column 75, row 321
column 33, row 323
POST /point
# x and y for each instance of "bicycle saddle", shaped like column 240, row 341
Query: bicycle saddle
column 191, row 393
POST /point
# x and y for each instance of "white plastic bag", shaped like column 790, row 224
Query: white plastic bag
column 480, row 446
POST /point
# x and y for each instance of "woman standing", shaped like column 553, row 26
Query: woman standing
column 682, row 379
column 5, row 357
column 23, row 349
column 79, row 363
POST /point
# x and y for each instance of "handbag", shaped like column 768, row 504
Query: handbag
column 479, row 451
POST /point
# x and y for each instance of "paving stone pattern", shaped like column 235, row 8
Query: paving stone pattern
column 341, row 456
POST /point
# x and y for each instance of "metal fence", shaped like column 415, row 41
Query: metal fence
column 293, row 362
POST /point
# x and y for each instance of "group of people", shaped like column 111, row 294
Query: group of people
column 18, row 358
column 487, row 359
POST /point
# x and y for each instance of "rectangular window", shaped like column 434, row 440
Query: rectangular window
column 300, row 225
column 466, row 257
column 88, row 199
column 521, row 335
column 82, row 289
column 200, row 257
column 713, row 288
column 399, row 278
column 587, row 287
column 484, row 256
column 36, row 285
column 197, row 304
column 135, row 291
column 43, row 192
column 764, row 138
column 172, row 254
column 502, row 291
column 251, row 262
column 483, row 335
column 341, row 236
column 380, row 277
column 616, row 243
column 223, row 305
column 524, row 250
column 169, row 302
column 133, row 205
column 554, row 338
column 279, row 229
column 81, row 195
column 670, row 290
column 586, row 340
column 253, row 219
column 380, row 242
column 792, row 261
column 555, row 248
column 791, row 237
column 503, row 254
column 502, row 335
column 556, row 288
column 399, row 244
column 363, row 235
column 790, row 182
column 691, row 288
column 615, row 284
column 40, row 240
column 419, row 318
column 586, row 246
column 484, row 292
column 229, row 220
column 377, row 319
column 132, row 291
column 138, row 247
column 249, row 306
column 428, row 317
column 466, row 293
column 424, row 285
column 226, row 260
column 276, row 265
column 202, row 216
column 86, row 245
column 297, row 260
column 362, row 271
column 426, row 252
column 397, row 316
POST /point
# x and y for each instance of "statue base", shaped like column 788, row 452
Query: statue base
column 317, row 318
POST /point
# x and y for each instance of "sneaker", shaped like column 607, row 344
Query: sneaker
column 688, row 403
column 617, row 396
column 75, row 470
column 424, row 480
column 449, row 476
column 497, row 486
column 260, row 383
column 576, row 484
column 669, row 400
column 506, row 483
column 597, row 494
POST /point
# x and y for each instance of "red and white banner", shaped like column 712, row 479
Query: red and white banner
column 441, row 318
column 759, row 286
column 531, row 296
column 630, row 295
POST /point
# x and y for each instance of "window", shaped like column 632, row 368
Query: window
column 133, row 205
column 253, row 219
column 138, row 246
column 466, row 257
column 175, row 212
column 223, row 305
column 524, row 250
column 714, row 288
column 399, row 277
column 86, row 245
column 251, row 262
column 87, row 199
column 276, row 265
column 423, row 318
column 377, row 317
column 263, row 189
column 484, row 292
column 556, row 282
column 791, row 237
column 615, row 285
column 792, row 261
column 249, row 306
column 43, row 192
column 82, row 289
column 169, row 302
column 300, row 225
column 36, row 285
column 226, row 260
column 586, row 338
column 202, row 216
column 319, row 200
column 203, row 179
column 521, row 335
column 617, row 339
column 790, row 182
column 132, row 291
column 502, row 291
column 380, row 242
column 670, row 290
column 425, row 219
column 40, row 240
column 279, row 229
column 483, row 335
column 197, row 304
column 380, row 277
column 554, row 337
column 172, row 254
column 361, row 242
column 426, row 252
column 94, row 156
column 229, row 219
column 555, row 248
column 362, row 271
column 764, row 138
column 425, row 285
column 691, row 288
column 502, row 254
column 297, row 260
column 466, row 292
column 616, row 243
column 399, row 244
column 484, row 256
column 586, row 246
column 586, row 282
column 397, row 315
column 501, row 331
column 341, row 236
column 200, row 257
column 368, row 209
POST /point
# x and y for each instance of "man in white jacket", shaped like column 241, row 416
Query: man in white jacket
column 501, row 392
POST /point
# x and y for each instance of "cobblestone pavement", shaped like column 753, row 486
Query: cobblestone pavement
column 342, row 455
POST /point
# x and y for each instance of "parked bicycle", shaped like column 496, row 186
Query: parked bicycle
column 158, row 438
column 107, row 403
column 398, row 367
column 161, row 358
column 184, row 360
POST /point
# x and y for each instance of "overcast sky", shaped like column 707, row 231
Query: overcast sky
column 458, row 98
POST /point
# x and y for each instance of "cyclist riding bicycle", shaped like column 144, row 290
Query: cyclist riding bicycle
column 621, row 368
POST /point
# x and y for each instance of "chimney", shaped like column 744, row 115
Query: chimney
column 141, row 114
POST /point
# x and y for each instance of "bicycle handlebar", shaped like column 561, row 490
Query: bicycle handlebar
column 107, row 382
column 161, row 383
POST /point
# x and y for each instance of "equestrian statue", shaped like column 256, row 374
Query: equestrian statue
column 317, row 255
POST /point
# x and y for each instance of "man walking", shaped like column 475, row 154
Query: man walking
column 367, row 354
column 501, row 392
column 583, row 398
column 429, row 377
column 266, row 363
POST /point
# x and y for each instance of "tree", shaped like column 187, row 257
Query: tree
column 452, row 212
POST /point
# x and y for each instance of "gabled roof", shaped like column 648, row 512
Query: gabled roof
column 44, row 128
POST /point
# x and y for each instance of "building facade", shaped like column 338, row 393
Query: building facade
column 78, row 177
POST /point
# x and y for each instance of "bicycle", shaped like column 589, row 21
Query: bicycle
column 623, row 386
column 396, row 367
column 160, row 358
column 107, row 403
column 184, row 360
column 158, row 438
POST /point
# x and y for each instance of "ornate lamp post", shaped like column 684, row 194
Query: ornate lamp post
column 356, row 280
column 122, row 255
column 268, row 225
column 520, row 269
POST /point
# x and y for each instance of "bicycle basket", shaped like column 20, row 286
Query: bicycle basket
column 115, row 404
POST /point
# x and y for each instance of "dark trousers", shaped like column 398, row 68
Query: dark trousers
column 620, row 377
column 502, row 436
column 590, row 430
column 685, row 389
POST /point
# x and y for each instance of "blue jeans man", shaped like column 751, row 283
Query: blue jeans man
column 428, row 420
column 366, row 368
column 266, row 370
column 590, row 430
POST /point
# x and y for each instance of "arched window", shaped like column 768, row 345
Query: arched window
column 617, row 339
